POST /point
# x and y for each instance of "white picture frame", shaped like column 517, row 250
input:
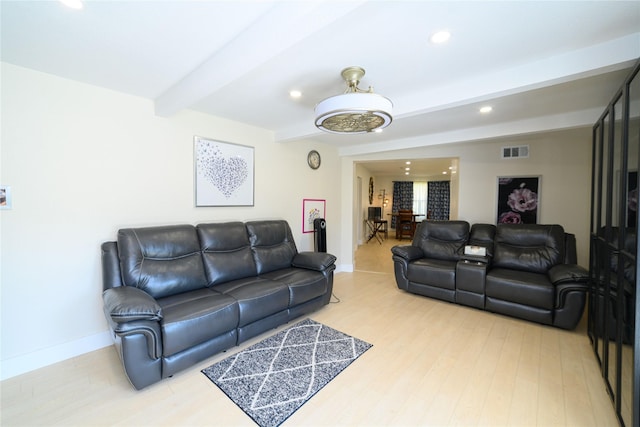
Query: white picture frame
column 224, row 173
column 6, row 199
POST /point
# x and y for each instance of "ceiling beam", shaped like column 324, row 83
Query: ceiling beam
column 297, row 20
column 594, row 60
column 532, row 125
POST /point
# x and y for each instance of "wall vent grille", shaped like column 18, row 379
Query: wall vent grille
column 515, row 152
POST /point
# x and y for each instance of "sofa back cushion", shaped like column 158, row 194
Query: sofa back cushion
column 272, row 244
column 528, row 247
column 161, row 261
column 226, row 252
column 483, row 235
column 570, row 250
column 443, row 240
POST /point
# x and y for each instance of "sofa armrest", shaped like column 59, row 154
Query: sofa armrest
column 319, row 261
column 567, row 279
column 476, row 258
column 126, row 304
column 408, row 252
column 564, row 290
column 568, row 273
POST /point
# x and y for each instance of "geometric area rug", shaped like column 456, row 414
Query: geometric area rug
column 270, row 380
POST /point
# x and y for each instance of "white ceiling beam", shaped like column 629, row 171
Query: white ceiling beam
column 518, row 127
column 294, row 21
column 598, row 59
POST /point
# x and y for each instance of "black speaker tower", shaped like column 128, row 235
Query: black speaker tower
column 320, row 234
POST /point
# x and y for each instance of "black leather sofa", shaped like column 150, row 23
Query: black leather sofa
column 175, row 295
column 528, row 271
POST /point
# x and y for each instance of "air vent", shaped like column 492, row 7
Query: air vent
column 515, row 152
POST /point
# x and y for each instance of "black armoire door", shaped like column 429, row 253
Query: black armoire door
column 614, row 301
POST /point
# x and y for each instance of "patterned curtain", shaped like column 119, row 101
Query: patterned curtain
column 402, row 198
column 438, row 200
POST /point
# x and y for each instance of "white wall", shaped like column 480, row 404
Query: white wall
column 361, row 231
column 83, row 162
column 386, row 183
column 562, row 159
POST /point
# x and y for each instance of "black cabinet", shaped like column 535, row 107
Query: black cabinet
column 614, row 302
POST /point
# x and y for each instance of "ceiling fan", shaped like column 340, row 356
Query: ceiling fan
column 356, row 110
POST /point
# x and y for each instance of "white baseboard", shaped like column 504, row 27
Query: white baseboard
column 48, row 356
column 344, row 268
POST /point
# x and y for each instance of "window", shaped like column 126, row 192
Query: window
column 420, row 197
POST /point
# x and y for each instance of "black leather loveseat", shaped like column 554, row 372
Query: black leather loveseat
column 175, row 295
column 528, row 271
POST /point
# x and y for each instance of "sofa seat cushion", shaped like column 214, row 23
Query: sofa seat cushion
column 434, row 272
column 304, row 285
column 522, row 287
column 192, row 318
column 257, row 297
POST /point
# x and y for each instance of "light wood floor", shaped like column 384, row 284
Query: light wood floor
column 432, row 363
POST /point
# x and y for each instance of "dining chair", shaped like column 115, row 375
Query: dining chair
column 405, row 226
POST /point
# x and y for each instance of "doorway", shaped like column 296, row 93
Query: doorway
column 374, row 256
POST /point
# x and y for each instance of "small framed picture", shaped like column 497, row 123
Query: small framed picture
column 5, row 197
column 312, row 209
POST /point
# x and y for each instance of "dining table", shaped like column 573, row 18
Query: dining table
column 396, row 214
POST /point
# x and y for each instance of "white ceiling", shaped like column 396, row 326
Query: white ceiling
column 542, row 65
column 419, row 169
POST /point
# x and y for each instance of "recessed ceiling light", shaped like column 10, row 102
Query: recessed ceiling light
column 444, row 172
column 295, row 94
column 406, row 173
column 407, row 169
column 440, row 37
column 486, row 109
column 73, row 4
column 407, row 163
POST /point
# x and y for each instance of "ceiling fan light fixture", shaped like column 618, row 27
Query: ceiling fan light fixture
column 355, row 111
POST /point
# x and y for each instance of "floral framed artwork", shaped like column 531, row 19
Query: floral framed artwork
column 5, row 197
column 312, row 209
column 518, row 200
column 224, row 173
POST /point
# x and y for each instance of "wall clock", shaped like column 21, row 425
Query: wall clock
column 313, row 159
column 370, row 190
